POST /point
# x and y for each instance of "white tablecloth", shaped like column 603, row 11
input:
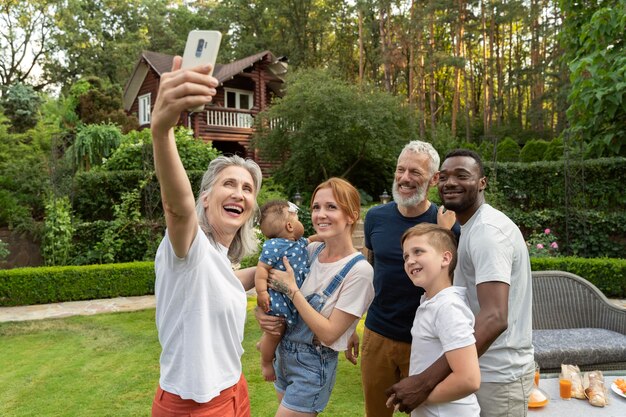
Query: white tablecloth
column 557, row 407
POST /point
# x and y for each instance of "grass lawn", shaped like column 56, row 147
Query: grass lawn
column 107, row 365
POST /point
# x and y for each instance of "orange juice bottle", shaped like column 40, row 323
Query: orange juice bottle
column 565, row 388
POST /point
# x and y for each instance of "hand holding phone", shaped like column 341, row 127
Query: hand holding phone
column 201, row 49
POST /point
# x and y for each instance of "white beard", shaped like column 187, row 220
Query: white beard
column 415, row 199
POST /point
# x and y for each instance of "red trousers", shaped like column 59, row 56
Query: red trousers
column 232, row 402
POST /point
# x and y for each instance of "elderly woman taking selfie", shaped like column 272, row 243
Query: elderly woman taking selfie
column 200, row 301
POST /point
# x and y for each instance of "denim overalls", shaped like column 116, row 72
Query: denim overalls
column 305, row 370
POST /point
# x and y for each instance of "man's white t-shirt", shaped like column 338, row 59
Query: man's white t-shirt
column 353, row 296
column 492, row 248
column 442, row 323
column 200, row 318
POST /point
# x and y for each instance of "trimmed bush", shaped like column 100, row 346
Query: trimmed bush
column 508, row 150
column 24, row 286
column 539, row 185
column 609, row 275
column 533, row 151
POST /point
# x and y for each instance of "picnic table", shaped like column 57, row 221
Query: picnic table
column 557, row 407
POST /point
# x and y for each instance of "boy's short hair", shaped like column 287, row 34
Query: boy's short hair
column 439, row 237
column 273, row 216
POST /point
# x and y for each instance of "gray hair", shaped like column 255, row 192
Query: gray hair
column 417, row 146
column 245, row 241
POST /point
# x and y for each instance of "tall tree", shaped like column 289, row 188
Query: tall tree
column 98, row 37
column 26, row 27
column 326, row 127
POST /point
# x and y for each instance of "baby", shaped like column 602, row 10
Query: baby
column 279, row 223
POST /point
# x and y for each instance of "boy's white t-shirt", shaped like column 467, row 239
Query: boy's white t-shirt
column 442, row 323
column 353, row 296
column 200, row 318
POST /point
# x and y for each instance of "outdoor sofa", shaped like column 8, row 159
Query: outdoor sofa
column 574, row 323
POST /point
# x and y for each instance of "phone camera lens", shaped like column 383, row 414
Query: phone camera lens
column 200, row 48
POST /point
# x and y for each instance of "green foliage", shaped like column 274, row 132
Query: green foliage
column 195, row 154
column 93, row 143
column 141, row 240
column 304, row 215
column 555, row 150
column 135, row 151
column 102, row 103
column 324, row 127
column 4, row 250
column 21, row 104
column 24, row 173
column 543, row 244
column 541, row 185
column 609, row 275
column 271, row 190
column 24, row 286
column 508, row 150
column 588, row 234
column 99, row 38
column 533, row 151
column 95, row 192
column 126, row 214
column 58, row 231
column 597, row 112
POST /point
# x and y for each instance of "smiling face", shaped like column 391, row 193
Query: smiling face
column 461, row 186
column 425, row 265
column 328, row 218
column 230, row 203
column 412, row 179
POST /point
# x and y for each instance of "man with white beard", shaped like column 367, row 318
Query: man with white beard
column 386, row 346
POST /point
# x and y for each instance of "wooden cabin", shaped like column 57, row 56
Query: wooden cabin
column 246, row 87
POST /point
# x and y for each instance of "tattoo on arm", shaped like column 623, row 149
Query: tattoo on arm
column 281, row 287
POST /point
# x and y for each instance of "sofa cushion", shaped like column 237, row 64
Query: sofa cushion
column 578, row 346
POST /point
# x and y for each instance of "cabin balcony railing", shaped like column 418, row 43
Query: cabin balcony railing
column 229, row 118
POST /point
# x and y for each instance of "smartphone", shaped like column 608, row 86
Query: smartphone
column 201, row 48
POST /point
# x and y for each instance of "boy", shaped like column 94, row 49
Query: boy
column 443, row 323
column 279, row 223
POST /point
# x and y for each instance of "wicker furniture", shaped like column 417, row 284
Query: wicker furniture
column 573, row 322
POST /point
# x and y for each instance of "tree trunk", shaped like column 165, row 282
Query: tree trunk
column 361, row 49
column 486, row 71
column 384, row 47
column 432, row 65
column 458, row 48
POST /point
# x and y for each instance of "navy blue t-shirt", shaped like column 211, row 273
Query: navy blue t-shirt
column 396, row 299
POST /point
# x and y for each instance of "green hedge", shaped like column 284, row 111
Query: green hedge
column 609, row 275
column 541, row 185
column 24, row 286
column 587, row 234
column 95, row 192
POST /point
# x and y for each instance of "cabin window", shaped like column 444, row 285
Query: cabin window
column 144, row 109
column 239, row 99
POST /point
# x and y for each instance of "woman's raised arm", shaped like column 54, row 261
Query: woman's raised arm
column 178, row 91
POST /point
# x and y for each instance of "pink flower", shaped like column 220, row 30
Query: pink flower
column 554, row 245
column 547, row 231
column 539, row 246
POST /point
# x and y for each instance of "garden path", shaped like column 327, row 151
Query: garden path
column 89, row 307
column 83, row 308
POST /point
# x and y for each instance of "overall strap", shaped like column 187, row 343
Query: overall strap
column 316, row 253
column 338, row 279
